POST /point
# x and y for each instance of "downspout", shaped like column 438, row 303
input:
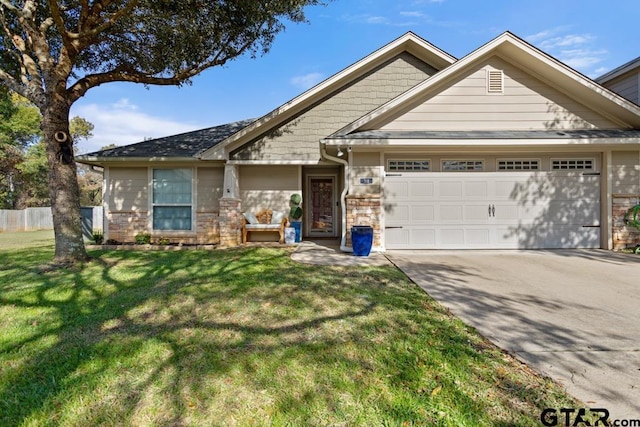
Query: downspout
column 343, row 196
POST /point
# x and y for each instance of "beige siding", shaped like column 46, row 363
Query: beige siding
column 626, row 172
column 268, row 187
column 128, row 189
column 210, row 182
column 526, row 103
column 365, row 165
column 627, row 86
column 298, row 139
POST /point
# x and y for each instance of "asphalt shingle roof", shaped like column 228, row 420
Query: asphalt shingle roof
column 189, row 144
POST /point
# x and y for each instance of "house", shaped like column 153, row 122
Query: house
column 506, row 147
column 624, row 80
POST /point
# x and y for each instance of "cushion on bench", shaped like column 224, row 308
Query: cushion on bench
column 265, row 220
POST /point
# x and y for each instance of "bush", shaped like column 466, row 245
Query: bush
column 163, row 241
column 97, row 236
column 143, row 238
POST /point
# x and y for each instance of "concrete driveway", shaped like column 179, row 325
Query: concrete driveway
column 573, row 315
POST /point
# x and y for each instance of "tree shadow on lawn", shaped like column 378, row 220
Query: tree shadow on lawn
column 189, row 337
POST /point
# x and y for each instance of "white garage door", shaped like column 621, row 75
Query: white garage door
column 523, row 210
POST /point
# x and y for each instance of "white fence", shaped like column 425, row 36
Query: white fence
column 41, row 219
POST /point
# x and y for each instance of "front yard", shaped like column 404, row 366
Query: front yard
column 243, row 337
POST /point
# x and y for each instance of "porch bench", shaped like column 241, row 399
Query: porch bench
column 265, row 220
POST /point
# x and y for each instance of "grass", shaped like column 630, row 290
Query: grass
column 243, row 337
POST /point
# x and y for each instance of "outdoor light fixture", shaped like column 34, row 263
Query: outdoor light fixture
column 340, row 152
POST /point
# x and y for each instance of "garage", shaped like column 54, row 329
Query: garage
column 512, row 208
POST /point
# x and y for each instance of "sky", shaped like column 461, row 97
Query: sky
column 593, row 37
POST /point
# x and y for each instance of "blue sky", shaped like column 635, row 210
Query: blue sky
column 591, row 36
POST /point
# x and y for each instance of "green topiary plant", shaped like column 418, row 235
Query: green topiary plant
column 295, row 213
column 632, row 219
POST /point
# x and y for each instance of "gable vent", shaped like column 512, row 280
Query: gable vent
column 495, row 81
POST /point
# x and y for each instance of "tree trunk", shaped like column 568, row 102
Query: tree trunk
column 63, row 182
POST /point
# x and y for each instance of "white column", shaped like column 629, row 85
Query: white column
column 231, row 188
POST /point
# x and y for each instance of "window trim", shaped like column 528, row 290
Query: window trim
column 194, row 198
column 569, row 159
column 480, row 160
column 519, row 159
column 428, row 160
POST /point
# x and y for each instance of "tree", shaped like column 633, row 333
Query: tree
column 53, row 52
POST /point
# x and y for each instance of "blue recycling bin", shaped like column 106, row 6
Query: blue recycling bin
column 361, row 239
column 297, row 225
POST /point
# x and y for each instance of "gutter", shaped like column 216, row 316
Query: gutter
column 343, row 196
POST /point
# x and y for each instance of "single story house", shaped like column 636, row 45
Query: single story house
column 506, row 147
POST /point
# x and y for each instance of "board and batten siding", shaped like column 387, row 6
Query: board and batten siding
column 128, row 189
column 298, row 139
column 268, row 187
column 626, row 172
column 526, row 103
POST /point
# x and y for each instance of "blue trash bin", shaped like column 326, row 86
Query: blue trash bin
column 297, row 225
column 361, row 239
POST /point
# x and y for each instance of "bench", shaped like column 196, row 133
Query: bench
column 265, row 220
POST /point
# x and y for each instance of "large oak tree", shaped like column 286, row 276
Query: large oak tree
column 53, row 52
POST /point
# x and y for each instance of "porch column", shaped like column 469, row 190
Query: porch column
column 230, row 208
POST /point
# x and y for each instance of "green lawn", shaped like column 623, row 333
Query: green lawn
column 242, row 337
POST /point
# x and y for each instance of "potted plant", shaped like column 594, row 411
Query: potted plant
column 295, row 214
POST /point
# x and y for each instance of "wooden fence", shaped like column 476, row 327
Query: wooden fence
column 40, row 219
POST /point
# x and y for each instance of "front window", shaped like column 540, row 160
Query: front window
column 172, row 199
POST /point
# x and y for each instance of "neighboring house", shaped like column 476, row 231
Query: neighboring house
column 504, row 148
column 624, row 80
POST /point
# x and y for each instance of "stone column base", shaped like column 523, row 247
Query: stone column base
column 230, row 222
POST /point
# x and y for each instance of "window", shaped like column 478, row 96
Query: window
column 422, row 165
column 572, row 164
column 519, row 165
column 462, row 165
column 495, row 81
column 172, row 199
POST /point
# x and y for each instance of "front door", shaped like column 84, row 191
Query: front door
column 321, row 218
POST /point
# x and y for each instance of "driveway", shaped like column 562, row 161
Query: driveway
column 573, row 315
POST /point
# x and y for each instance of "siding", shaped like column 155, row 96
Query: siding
column 626, row 173
column 209, row 189
column 298, row 139
column 268, row 187
column 365, row 165
column 128, row 189
column 627, row 86
column 527, row 103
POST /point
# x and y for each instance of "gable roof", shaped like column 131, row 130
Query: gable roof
column 409, row 42
column 513, row 49
column 185, row 146
column 616, row 72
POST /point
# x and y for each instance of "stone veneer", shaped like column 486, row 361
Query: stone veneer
column 230, row 222
column 364, row 210
column 624, row 236
column 125, row 225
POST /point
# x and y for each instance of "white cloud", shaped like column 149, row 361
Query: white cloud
column 413, row 14
column 576, row 50
column 123, row 123
column 306, row 81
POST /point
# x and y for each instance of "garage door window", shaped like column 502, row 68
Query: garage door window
column 462, row 165
column 572, row 164
column 423, row 165
column 518, row 164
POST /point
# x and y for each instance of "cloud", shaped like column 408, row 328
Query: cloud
column 306, row 81
column 576, row 50
column 413, row 14
column 123, row 123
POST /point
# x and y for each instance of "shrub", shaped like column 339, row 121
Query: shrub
column 163, row 241
column 97, row 236
column 143, row 238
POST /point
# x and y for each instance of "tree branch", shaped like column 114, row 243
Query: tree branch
column 126, row 74
column 91, row 33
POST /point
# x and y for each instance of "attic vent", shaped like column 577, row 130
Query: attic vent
column 495, row 81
